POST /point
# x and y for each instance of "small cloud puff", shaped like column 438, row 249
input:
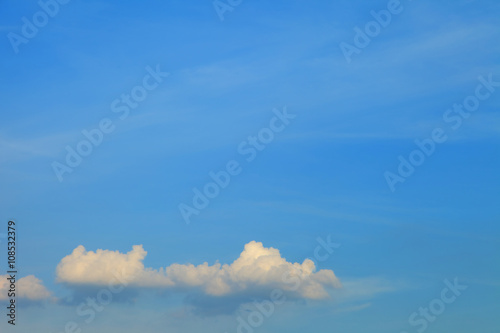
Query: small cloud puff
column 256, row 270
column 28, row 287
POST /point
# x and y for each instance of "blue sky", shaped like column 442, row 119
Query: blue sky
column 321, row 176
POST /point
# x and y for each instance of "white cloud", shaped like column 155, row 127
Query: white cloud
column 28, row 287
column 257, row 269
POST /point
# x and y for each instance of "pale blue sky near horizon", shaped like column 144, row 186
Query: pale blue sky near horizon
column 322, row 175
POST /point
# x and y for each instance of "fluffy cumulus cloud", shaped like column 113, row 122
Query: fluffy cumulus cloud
column 28, row 287
column 258, row 269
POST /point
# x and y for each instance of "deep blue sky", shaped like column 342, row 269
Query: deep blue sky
column 322, row 175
